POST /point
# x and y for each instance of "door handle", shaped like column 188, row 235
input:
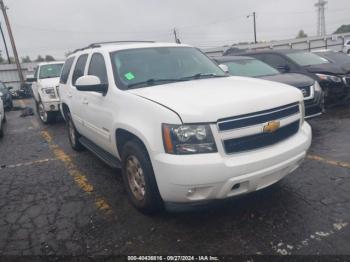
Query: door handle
column 85, row 102
column 69, row 95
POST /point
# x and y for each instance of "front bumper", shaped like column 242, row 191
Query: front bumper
column 314, row 107
column 196, row 178
column 51, row 106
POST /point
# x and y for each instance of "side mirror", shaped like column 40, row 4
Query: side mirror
column 224, row 68
column 90, row 84
column 283, row 68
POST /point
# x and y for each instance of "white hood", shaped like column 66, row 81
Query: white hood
column 49, row 82
column 209, row 100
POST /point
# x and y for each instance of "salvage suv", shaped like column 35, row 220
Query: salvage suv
column 181, row 129
column 45, row 81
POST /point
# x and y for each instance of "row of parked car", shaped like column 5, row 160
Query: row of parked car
column 181, row 128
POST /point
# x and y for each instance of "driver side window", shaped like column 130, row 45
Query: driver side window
column 97, row 68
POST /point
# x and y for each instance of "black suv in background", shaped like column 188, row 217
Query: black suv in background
column 250, row 67
column 6, row 96
column 333, row 78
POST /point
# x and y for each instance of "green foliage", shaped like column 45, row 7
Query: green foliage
column 49, row 58
column 39, row 59
column 343, row 29
column 301, row 34
column 26, row 59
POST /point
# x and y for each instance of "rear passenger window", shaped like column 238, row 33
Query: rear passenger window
column 98, row 67
column 66, row 69
column 79, row 68
column 275, row 60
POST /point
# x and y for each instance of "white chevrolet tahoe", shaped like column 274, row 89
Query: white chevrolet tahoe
column 45, row 93
column 2, row 118
column 182, row 130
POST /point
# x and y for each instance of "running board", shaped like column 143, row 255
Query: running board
column 100, row 153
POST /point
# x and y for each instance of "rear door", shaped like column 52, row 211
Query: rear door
column 98, row 108
column 75, row 96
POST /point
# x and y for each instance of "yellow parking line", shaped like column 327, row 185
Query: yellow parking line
column 329, row 161
column 78, row 176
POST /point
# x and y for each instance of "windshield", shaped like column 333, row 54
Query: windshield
column 250, row 68
column 50, row 71
column 307, row 59
column 142, row 67
column 337, row 57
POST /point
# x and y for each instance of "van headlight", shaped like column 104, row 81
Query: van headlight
column 188, row 139
column 50, row 91
column 329, row 78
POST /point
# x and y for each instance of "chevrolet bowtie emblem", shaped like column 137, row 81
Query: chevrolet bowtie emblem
column 271, row 127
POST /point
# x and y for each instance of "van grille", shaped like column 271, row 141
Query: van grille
column 258, row 117
column 260, row 140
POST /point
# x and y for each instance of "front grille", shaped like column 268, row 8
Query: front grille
column 252, row 142
column 306, row 91
column 347, row 80
column 258, row 117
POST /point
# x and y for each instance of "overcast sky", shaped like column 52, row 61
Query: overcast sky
column 58, row 26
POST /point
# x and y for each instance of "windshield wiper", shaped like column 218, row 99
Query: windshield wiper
column 152, row 81
column 204, row 76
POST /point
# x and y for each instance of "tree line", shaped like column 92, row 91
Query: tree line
column 27, row 59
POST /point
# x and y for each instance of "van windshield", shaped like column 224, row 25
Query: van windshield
column 50, row 71
column 136, row 68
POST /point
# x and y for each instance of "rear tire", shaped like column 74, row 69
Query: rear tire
column 73, row 134
column 139, row 179
column 45, row 117
column 2, row 127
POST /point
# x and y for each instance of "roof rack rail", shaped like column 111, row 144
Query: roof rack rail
column 99, row 44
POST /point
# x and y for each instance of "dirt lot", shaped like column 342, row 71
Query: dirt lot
column 54, row 201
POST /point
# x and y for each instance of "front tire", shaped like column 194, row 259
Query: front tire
column 73, row 134
column 45, row 117
column 139, row 179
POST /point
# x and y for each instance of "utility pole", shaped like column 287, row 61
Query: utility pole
column 5, row 44
column 177, row 40
column 321, row 17
column 254, row 21
column 3, row 8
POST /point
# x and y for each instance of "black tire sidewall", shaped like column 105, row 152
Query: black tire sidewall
column 152, row 203
column 74, row 144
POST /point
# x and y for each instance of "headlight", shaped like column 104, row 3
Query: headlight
column 329, row 78
column 49, row 91
column 188, row 139
column 302, row 110
column 317, row 87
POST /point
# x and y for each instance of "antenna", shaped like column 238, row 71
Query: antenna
column 321, row 18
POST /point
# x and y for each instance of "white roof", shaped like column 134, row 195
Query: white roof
column 111, row 47
column 50, row 63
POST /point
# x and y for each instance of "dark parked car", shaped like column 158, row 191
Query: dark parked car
column 333, row 78
column 335, row 57
column 250, row 67
column 6, row 96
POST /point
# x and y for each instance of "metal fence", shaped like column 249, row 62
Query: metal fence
column 334, row 42
column 9, row 73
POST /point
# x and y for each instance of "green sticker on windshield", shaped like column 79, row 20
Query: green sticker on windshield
column 129, row 76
